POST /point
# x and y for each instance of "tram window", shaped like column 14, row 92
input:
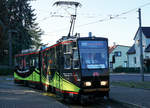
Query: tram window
column 75, row 59
column 31, row 60
column 27, row 61
column 67, row 61
column 74, row 44
column 67, row 48
column 76, row 64
column 17, row 61
column 36, row 62
column 75, row 54
column 23, row 63
column 51, row 58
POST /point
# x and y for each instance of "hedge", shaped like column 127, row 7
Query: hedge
column 129, row 70
column 6, row 72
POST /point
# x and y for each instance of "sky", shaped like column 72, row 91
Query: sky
column 93, row 16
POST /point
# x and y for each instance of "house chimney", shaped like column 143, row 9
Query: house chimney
column 90, row 34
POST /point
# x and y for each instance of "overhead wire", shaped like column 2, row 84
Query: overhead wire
column 111, row 17
column 118, row 15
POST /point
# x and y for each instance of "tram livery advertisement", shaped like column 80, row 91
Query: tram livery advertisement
column 76, row 67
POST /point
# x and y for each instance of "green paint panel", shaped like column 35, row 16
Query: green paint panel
column 63, row 84
column 33, row 77
column 57, row 81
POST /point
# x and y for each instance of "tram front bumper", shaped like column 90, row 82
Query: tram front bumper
column 96, row 90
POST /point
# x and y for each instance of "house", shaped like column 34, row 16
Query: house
column 118, row 56
column 134, row 52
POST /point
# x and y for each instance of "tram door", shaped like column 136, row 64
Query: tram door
column 59, row 66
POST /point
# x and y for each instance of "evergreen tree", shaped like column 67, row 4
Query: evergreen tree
column 3, row 23
column 17, row 17
column 22, row 20
column 3, row 33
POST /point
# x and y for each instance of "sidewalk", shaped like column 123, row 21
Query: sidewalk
column 139, row 97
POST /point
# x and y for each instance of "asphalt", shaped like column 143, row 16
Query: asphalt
column 15, row 96
column 137, row 97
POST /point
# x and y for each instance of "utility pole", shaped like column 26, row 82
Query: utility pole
column 141, row 47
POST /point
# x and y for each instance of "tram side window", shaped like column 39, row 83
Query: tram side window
column 74, row 44
column 22, row 62
column 67, row 61
column 17, row 61
column 51, row 58
column 34, row 61
column 67, row 48
column 75, row 59
column 27, row 58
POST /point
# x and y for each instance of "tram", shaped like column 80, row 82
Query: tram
column 74, row 67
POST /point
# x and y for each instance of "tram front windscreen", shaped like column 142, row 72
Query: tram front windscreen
column 93, row 54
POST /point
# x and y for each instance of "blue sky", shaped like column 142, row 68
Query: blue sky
column 120, row 30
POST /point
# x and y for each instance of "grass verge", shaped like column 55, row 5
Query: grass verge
column 131, row 84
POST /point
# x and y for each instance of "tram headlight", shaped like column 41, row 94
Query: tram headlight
column 88, row 83
column 103, row 83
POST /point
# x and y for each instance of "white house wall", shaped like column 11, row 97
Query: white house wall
column 131, row 60
column 146, row 42
column 137, row 48
column 120, row 61
column 147, row 54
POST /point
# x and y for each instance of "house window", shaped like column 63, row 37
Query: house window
column 138, row 42
column 117, row 54
column 134, row 60
column 147, row 57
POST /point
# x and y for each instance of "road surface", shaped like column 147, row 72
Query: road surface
column 16, row 96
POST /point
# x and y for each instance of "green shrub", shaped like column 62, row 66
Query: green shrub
column 129, row 70
column 126, row 70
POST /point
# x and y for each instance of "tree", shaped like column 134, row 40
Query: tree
column 18, row 17
column 3, row 33
column 3, row 23
column 22, row 19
